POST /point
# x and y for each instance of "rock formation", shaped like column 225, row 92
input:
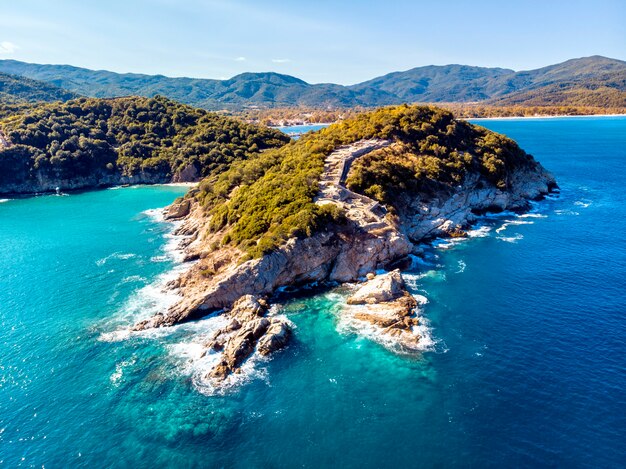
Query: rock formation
column 248, row 331
column 384, row 303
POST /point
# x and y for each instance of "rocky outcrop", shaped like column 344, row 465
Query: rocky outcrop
column 447, row 214
column 247, row 332
column 179, row 209
column 384, row 304
column 379, row 289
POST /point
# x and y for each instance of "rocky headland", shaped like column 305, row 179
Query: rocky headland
column 370, row 236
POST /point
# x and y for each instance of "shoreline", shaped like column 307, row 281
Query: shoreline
column 550, row 116
column 556, row 116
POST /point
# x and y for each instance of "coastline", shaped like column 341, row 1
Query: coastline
column 557, row 116
column 554, row 116
column 5, row 196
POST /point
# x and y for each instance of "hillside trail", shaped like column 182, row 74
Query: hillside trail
column 365, row 211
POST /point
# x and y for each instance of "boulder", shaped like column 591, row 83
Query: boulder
column 380, row 289
column 178, row 210
column 276, row 337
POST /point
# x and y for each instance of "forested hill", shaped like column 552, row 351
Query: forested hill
column 592, row 81
column 17, row 90
column 90, row 142
column 263, row 201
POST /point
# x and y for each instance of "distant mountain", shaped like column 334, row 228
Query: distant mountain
column 591, row 81
column 18, row 90
column 447, row 83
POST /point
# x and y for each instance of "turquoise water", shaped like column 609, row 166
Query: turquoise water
column 527, row 318
column 297, row 130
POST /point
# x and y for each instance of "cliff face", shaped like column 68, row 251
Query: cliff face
column 433, row 217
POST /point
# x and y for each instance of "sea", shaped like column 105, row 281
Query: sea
column 523, row 361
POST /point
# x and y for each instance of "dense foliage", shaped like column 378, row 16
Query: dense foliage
column 589, row 81
column 263, row 201
column 126, row 136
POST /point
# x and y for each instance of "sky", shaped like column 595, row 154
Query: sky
column 318, row 40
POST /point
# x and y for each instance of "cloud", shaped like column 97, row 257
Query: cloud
column 240, row 59
column 280, row 61
column 7, row 47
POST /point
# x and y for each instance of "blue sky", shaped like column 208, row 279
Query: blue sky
column 319, row 41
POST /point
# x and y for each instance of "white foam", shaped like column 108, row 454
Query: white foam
column 533, row 215
column 348, row 324
column 462, row 266
column 116, row 376
column 417, row 261
column 582, row 203
column 508, row 223
column 152, row 298
column 160, row 259
column 446, row 243
column 479, row 232
column 157, row 214
column 412, row 279
column 195, row 361
column 566, row 212
column 421, row 299
column 511, row 239
column 133, row 278
column 4, row 200
column 115, row 255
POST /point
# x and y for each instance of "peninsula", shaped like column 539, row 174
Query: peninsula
column 338, row 205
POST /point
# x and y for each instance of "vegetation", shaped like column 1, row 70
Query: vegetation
column 262, row 201
column 277, row 117
column 152, row 137
column 591, row 81
column 15, row 90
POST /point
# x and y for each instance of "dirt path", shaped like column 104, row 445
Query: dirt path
column 368, row 213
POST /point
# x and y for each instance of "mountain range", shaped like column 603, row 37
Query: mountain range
column 589, row 81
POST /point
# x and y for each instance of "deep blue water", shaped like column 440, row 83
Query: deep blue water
column 527, row 368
